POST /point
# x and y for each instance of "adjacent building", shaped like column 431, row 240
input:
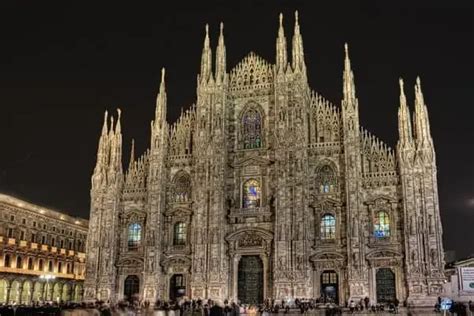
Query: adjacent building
column 265, row 189
column 42, row 253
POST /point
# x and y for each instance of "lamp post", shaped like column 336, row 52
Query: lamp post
column 47, row 278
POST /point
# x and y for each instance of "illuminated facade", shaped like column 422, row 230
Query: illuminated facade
column 264, row 189
column 42, row 253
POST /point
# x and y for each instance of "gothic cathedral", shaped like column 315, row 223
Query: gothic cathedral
column 265, row 189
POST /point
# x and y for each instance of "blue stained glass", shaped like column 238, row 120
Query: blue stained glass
column 134, row 236
column 382, row 225
column 251, row 193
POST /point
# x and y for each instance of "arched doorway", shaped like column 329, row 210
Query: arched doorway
column 330, row 286
column 3, row 291
column 250, row 280
column 131, row 287
column 66, row 292
column 385, row 284
column 78, row 293
column 177, row 286
column 26, row 292
column 38, row 292
column 15, row 292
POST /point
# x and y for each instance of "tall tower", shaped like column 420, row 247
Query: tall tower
column 357, row 266
column 157, row 177
column 424, row 260
column 209, row 262
column 107, row 182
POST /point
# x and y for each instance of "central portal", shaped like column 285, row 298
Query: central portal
column 250, row 280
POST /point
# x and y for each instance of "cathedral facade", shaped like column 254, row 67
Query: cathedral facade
column 265, row 189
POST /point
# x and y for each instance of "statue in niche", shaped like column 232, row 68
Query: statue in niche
column 413, row 256
column 434, row 255
column 431, row 223
column 355, row 227
column 413, row 225
column 281, row 263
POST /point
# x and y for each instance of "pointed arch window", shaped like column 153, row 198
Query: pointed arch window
column 6, row 261
column 182, row 187
column 252, row 129
column 134, row 236
column 381, row 225
column 179, row 236
column 328, row 227
column 325, row 179
column 19, row 263
column 251, row 193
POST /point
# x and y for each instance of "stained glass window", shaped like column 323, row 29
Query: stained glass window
column 381, row 225
column 134, row 236
column 328, row 227
column 251, row 193
column 252, row 129
column 179, row 234
column 325, row 179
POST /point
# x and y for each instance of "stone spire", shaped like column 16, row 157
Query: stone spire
column 281, row 57
column 297, row 48
column 103, row 152
column 221, row 56
column 132, row 153
column 160, row 111
column 422, row 123
column 116, row 145
column 348, row 78
column 405, row 132
column 206, row 58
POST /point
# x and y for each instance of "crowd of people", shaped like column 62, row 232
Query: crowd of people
column 186, row 307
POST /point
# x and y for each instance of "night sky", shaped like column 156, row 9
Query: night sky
column 62, row 65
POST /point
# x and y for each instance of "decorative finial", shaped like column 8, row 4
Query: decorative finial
column 163, row 74
column 207, row 29
column 400, row 80
column 118, row 113
column 418, row 81
column 222, row 27
column 296, row 16
column 281, row 19
column 346, row 48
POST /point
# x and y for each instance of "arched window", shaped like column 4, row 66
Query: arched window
column 328, row 227
column 30, row 264
column 40, row 265
column 50, row 266
column 325, row 179
column 134, row 236
column 19, row 263
column 251, row 194
column 6, row 261
column 182, row 187
column 381, row 225
column 179, row 236
column 252, row 129
column 60, row 267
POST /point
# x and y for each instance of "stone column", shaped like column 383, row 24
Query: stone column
column 8, row 288
column 70, row 292
column 20, row 292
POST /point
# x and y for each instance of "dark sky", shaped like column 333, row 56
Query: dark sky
column 62, row 65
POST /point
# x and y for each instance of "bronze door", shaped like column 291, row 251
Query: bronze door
column 385, row 282
column 250, row 280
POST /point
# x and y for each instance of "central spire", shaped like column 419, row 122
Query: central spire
column 404, row 122
column 221, row 56
column 348, row 77
column 160, row 111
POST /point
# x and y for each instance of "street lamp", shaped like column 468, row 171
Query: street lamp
column 47, row 278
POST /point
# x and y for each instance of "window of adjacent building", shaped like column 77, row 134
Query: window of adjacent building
column 40, row 265
column 30, row 264
column 251, row 194
column 50, row 266
column 43, row 239
column 44, row 226
column 34, row 224
column 19, row 263
column 12, row 218
column 68, row 268
column 328, row 227
column 53, row 242
column 23, row 221
column 134, row 236
column 325, row 179
column 6, row 260
column 62, row 231
column 22, row 235
column 70, row 244
column 10, row 232
column 179, row 236
column 33, row 237
column 381, row 225
column 54, row 228
column 251, row 129
column 61, row 243
column 60, row 267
